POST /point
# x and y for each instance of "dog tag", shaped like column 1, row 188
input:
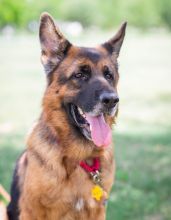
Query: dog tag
column 97, row 192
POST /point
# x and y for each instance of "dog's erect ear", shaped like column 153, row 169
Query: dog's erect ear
column 113, row 46
column 53, row 44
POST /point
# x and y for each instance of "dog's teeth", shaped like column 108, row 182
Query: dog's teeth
column 80, row 111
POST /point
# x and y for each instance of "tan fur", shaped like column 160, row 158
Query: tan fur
column 54, row 188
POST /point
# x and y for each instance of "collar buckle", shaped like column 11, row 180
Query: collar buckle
column 96, row 177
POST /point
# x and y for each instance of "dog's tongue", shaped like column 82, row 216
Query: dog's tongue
column 101, row 133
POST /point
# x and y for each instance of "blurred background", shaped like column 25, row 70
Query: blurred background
column 142, row 136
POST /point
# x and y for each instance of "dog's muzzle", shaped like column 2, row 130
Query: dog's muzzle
column 92, row 123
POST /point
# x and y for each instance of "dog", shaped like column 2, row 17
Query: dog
column 67, row 170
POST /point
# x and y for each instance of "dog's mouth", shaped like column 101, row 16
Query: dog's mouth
column 94, row 128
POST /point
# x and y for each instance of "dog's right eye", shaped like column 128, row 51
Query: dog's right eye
column 107, row 74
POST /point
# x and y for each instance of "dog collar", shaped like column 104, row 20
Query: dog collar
column 95, row 166
column 97, row 191
column 94, row 170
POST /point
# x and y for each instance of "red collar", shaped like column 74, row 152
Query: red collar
column 93, row 168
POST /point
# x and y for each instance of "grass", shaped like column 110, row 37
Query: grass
column 142, row 136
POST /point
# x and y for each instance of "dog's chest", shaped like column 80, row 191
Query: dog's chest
column 77, row 190
column 82, row 192
column 75, row 198
column 73, row 194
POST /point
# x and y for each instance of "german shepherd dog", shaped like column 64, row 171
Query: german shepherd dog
column 67, row 170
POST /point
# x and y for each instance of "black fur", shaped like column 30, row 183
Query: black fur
column 108, row 47
column 62, row 79
column 47, row 135
column 12, row 209
column 90, row 53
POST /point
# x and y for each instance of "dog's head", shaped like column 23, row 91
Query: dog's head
column 82, row 82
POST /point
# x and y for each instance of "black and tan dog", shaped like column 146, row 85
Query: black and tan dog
column 67, row 170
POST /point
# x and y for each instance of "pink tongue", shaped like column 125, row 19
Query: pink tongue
column 101, row 133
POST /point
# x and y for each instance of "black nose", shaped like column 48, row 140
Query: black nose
column 109, row 100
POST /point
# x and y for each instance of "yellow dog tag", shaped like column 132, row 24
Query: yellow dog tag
column 97, row 192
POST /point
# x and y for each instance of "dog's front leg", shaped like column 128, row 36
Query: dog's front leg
column 25, row 215
column 32, row 213
column 101, row 215
column 97, row 214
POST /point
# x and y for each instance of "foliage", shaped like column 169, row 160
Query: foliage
column 12, row 12
column 141, row 13
column 165, row 9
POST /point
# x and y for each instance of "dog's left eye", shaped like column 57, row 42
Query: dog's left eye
column 107, row 74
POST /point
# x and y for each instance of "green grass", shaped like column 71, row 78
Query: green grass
column 142, row 136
